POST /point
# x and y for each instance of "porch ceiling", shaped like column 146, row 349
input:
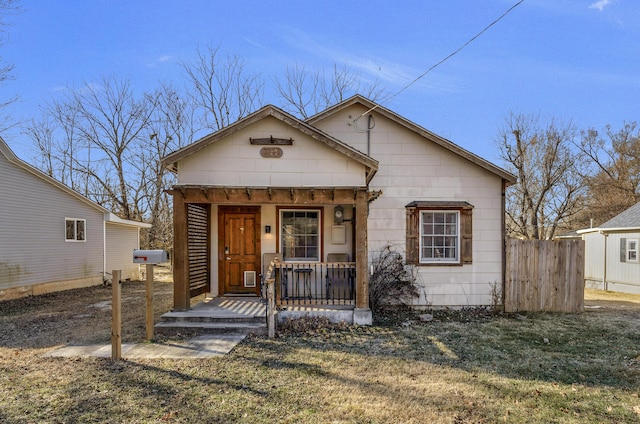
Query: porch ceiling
column 270, row 195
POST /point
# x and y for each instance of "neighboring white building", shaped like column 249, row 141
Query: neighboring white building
column 612, row 253
column 52, row 238
column 390, row 181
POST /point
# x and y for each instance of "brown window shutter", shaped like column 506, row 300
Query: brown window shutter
column 412, row 237
column 466, row 230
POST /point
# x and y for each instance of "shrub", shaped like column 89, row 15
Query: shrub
column 392, row 282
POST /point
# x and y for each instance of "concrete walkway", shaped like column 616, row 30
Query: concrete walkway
column 205, row 346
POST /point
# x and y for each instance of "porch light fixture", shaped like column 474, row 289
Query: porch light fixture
column 267, row 229
column 338, row 215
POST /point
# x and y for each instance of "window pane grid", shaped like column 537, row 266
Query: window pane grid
column 439, row 236
column 300, row 236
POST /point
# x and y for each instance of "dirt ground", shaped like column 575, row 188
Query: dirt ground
column 81, row 316
column 557, row 367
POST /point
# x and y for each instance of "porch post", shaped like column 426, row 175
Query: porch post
column 362, row 314
column 181, row 300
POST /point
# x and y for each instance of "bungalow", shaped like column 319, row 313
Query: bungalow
column 52, row 238
column 612, row 253
column 340, row 186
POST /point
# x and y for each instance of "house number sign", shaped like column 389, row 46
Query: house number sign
column 271, row 152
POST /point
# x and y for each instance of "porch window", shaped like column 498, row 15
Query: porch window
column 300, row 235
column 439, row 233
column 74, row 229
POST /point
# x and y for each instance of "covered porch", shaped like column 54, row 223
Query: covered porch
column 226, row 237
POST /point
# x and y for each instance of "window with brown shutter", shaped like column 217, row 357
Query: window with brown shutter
column 439, row 233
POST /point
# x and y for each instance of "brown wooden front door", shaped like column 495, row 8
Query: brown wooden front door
column 239, row 249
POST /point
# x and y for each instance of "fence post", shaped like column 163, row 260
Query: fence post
column 271, row 307
column 116, row 316
column 149, row 302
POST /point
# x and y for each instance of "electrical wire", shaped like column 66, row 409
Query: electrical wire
column 485, row 29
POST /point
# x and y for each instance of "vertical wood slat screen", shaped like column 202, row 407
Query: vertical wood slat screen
column 198, row 248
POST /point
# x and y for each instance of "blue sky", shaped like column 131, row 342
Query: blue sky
column 569, row 59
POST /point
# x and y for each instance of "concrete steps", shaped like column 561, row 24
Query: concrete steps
column 226, row 327
column 216, row 316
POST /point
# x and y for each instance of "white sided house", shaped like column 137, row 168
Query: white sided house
column 336, row 188
column 52, row 238
column 612, row 253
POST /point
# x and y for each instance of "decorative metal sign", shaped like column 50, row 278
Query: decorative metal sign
column 271, row 152
column 271, row 141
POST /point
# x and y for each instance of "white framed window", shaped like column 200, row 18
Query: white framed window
column 439, row 233
column 439, row 236
column 75, row 229
column 300, row 234
column 632, row 250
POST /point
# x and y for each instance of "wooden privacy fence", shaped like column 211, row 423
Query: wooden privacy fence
column 544, row 275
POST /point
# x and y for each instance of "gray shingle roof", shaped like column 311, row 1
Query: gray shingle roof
column 628, row 218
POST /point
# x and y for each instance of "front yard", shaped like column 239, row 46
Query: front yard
column 459, row 368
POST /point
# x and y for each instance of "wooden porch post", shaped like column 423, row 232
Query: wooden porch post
column 362, row 314
column 181, row 299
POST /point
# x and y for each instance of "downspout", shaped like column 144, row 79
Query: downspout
column 605, row 285
column 369, row 128
column 104, row 248
column 503, row 226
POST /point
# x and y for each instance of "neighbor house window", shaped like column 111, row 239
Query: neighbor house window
column 300, row 234
column 439, row 233
column 632, row 250
column 75, row 229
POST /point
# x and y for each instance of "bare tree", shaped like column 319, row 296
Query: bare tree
column 549, row 191
column 7, row 8
column 222, row 88
column 90, row 137
column 614, row 175
column 306, row 93
column 172, row 127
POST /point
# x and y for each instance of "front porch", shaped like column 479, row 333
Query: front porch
column 222, row 233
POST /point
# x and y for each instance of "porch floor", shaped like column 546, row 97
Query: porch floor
column 223, row 307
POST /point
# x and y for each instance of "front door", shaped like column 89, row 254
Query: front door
column 239, row 249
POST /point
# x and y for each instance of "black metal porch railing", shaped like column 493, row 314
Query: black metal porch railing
column 314, row 283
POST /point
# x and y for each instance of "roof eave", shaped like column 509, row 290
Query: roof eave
column 509, row 178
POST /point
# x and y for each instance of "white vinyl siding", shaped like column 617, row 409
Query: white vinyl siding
column 235, row 162
column 121, row 241
column 604, row 268
column 413, row 168
column 33, row 249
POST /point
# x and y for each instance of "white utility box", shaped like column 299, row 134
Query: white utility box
column 149, row 256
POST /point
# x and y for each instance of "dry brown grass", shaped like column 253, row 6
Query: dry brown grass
column 536, row 368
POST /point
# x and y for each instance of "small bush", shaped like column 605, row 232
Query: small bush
column 393, row 282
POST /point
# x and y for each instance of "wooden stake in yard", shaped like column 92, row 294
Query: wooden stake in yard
column 149, row 302
column 271, row 307
column 116, row 316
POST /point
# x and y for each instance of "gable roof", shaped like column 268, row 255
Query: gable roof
column 370, row 164
column 108, row 216
column 443, row 142
column 627, row 218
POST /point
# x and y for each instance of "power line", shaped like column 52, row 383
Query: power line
column 388, row 99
